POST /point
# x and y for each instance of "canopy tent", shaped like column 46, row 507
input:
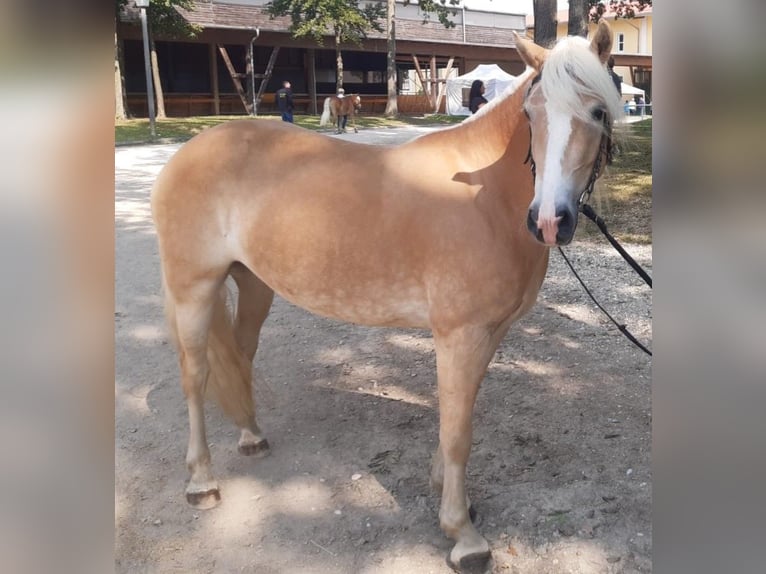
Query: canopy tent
column 628, row 90
column 495, row 82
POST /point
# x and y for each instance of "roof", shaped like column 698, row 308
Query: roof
column 221, row 15
column 486, row 72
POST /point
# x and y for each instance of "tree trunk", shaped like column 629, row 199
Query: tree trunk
column 338, row 63
column 119, row 90
column 545, row 22
column 392, row 106
column 578, row 18
column 311, row 57
column 156, row 79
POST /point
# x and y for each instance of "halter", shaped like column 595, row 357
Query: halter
column 605, row 150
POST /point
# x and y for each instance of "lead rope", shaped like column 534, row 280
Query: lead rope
column 605, row 150
column 622, row 327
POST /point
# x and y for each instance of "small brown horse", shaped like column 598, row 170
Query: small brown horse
column 433, row 234
column 340, row 109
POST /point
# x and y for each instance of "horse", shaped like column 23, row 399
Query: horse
column 340, row 108
column 448, row 232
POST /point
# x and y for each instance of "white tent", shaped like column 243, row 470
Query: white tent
column 495, row 82
column 628, row 90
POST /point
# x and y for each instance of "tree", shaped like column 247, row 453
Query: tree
column 427, row 7
column 580, row 12
column 166, row 21
column 163, row 19
column 392, row 84
column 545, row 22
column 346, row 19
column 119, row 86
column 578, row 18
column 439, row 8
column 621, row 8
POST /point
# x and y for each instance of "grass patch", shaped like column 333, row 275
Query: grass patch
column 623, row 196
column 182, row 129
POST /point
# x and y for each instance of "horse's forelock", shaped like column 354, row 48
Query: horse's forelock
column 571, row 72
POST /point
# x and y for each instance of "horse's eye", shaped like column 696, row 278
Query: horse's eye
column 598, row 114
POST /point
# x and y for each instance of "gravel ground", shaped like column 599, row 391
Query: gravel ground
column 560, row 467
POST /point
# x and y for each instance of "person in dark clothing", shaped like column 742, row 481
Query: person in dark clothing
column 285, row 101
column 616, row 78
column 476, row 97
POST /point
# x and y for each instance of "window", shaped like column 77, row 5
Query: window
column 353, row 77
column 621, row 42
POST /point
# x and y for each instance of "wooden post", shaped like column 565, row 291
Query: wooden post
column 214, row 81
column 433, row 81
column 249, row 78
column 234, row 77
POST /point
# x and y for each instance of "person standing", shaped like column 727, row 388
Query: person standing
column 342, row 124
column 285, row 101
column 476, row 97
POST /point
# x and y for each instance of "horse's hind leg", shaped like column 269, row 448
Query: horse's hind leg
column 462, row 356
column 190, row 313
column 253, row 304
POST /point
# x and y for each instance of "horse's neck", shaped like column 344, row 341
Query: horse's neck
column 493, row 133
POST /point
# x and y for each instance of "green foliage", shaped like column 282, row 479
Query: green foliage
column 621, row 8
column 346, row 19
column 164, row 19
column 439, row 8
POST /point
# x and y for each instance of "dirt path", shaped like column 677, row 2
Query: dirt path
column 559, row 472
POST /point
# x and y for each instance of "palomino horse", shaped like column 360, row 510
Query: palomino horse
column 430, row 234
column 339, row 108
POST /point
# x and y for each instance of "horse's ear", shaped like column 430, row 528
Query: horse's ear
column 602, row 41
column 531, row 54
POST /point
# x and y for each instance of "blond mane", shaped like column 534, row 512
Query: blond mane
column 571, row 72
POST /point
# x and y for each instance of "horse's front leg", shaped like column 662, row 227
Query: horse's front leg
column 462, row 356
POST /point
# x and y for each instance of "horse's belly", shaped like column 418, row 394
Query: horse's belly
column 373, row 302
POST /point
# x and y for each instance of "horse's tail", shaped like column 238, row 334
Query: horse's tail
column 230, row 378
column 325, row 119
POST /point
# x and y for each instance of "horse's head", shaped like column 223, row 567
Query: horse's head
column 357, row 100
column 571, row 105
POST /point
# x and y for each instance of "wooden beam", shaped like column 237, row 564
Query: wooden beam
column 214, row 80
column 234, row 77
column 420, row 76
column 443, row 85
column 266, row 77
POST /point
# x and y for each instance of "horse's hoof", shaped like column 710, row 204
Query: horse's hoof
column 204, row 500
column 478, row 563
column 356, row 131
column 258, row 449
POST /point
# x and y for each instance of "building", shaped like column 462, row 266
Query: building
column 212, row 72
column 632, row 48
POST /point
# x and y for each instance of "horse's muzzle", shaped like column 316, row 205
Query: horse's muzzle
column 553, row 231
